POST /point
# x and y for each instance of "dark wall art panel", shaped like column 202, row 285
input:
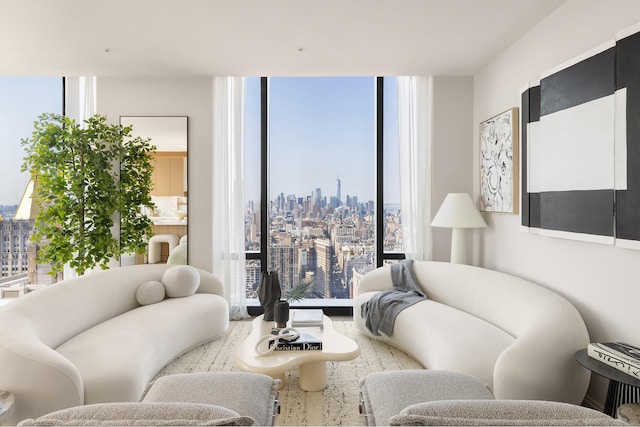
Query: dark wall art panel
column 580, row 136
column 585, row 81
column 530, row 114
column 628, row 83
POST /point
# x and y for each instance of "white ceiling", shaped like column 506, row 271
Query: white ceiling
column 260, row 37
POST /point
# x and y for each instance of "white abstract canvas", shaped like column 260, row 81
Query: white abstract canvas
column 499, row 163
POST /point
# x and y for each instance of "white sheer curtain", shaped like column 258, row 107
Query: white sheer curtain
column 80, row 97
column 87, row 95
column 415, row 101
column 80, row 104
column 228, row 191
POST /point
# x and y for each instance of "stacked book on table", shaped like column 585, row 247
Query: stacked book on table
column 624, row 357
column 304, row 318
column 303, row 342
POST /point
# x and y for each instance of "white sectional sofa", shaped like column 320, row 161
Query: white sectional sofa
column 88, row 340
column 514, row 335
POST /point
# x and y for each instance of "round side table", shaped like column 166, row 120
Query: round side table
column 6, row 404
column 623, row 388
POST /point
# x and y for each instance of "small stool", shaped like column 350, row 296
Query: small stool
column 155, row 246
column 248, row 394
column 385, row 394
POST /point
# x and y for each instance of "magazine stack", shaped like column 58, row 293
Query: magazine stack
column 624, row 357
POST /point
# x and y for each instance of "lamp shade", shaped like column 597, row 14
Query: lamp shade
column 458, row 211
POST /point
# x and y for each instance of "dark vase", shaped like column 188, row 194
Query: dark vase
column 281, row 313
column 268, row 293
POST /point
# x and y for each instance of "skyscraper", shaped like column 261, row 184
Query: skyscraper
column 338, row 191
column 317, row 196
column 324, row 265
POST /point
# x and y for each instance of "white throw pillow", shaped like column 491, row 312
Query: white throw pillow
column 150, row 292
column 181, row 281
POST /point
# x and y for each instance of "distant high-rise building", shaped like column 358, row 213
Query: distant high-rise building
column 338, row 191
column 17, row 254
column 291, row 202
column 283, row 259
column 317, row 196
column 281, row 202
column 253, row 232
column 324, row 265
column 14, row 242
column 253, row 277
column 342, row 234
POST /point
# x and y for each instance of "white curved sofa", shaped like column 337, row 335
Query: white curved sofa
column 87, row 340
column 516, row 336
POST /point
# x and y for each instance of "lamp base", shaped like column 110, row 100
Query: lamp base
column 458, row 246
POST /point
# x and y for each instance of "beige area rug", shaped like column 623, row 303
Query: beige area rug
column 336, row 405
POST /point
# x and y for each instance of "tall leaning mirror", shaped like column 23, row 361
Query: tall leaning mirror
column 169, row 194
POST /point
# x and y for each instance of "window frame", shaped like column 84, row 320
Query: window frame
column 381, row 255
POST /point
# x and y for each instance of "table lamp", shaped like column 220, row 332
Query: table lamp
column 458, row 212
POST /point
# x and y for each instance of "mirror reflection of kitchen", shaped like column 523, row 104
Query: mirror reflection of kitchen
column 169, row 193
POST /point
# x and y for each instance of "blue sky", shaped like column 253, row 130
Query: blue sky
column 22, row 100
column 321, row 127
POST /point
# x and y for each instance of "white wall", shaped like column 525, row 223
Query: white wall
column 600, row 280
column 174, row 96
column 452, row 152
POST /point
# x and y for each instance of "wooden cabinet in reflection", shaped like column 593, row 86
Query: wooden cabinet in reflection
column 169, row 173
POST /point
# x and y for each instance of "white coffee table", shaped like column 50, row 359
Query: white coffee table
column 312, row 363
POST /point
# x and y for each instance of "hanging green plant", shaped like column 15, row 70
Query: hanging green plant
column 86, row 176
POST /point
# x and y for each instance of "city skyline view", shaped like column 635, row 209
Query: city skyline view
column 328, row 125
column 322, row 128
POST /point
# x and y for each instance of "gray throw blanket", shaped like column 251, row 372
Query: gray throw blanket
column 380, row 312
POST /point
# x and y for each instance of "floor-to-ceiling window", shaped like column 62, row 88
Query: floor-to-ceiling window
column 322, row 187
column 22, row 100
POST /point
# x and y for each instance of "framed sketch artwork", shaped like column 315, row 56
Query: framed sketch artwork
column 499, row 163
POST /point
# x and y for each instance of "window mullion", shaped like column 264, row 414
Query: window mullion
column 264, row 174
column 379, row 171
